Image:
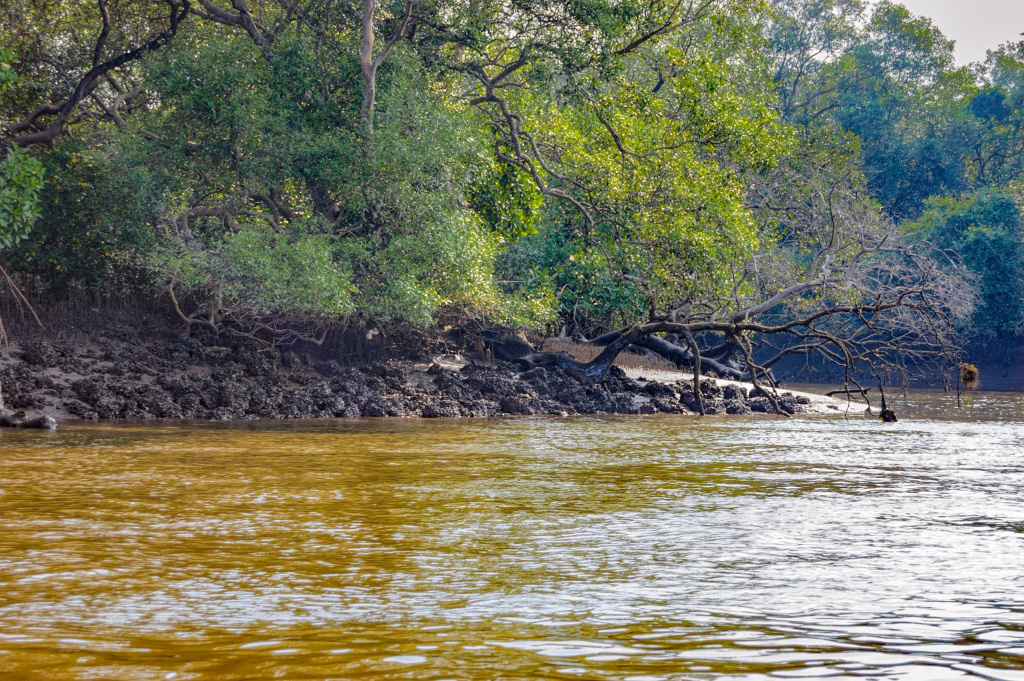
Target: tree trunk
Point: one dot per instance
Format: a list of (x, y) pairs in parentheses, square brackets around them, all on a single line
[(676, 354), (615, 344), (696, 371), (589, 372), (368, 67)]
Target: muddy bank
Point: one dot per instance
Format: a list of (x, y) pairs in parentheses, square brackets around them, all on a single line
[(109, 378)]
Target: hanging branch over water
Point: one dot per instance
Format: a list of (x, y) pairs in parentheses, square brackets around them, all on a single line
[(893, 319), (846, 288)]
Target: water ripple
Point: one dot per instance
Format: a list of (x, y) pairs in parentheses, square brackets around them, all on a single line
[(620, 548)]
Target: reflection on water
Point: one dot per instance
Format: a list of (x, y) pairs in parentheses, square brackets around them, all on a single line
[(620, 548)]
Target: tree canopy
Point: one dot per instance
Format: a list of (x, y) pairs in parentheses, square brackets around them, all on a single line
[(560, 164)]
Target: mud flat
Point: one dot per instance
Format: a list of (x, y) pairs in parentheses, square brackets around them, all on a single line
[(172, 378)]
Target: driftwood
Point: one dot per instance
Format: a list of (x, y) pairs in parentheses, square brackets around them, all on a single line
[(887, 415), (847, 391), (21, 419)]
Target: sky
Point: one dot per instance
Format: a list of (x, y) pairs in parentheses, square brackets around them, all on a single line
[(975, 25)]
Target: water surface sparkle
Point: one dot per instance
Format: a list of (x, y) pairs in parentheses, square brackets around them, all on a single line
[(619, 548)]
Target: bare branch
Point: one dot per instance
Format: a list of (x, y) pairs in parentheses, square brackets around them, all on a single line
[(88, 82)]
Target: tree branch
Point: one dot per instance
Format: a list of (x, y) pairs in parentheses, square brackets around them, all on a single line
[(88, 82)]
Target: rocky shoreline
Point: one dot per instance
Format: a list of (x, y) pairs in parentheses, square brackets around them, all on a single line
[(186, 378)]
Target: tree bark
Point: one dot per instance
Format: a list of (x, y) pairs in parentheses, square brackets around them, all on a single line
[(696, 372), (585, 372), (368, 64), (368, 68)]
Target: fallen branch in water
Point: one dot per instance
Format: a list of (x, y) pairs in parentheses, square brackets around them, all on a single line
[(888, 310)]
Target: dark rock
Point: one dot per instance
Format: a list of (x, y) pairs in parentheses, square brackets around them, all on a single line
[(537, 375), (514, 406), (156, 401), (668, 406), (655, 389), (713, 407), (734, 392), (689, 400), (80, 409), (110, 406), (291, 360), (41, 353), (27, 401), (710, 389), (89, 390), (374, 407), (737, 407), (441, 409), (395, 405), (329, 368), (219, 377)]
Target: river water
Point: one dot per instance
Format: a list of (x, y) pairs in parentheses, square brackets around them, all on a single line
[(634, 548)]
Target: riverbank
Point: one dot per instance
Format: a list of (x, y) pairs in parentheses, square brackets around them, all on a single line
[(101, 376)]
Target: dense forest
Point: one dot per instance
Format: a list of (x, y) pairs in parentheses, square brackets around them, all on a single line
[(739, 180)]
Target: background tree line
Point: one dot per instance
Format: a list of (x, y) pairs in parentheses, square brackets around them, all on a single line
[(941, 146)]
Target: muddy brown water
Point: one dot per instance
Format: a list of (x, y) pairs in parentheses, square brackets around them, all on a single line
[(634, 548)]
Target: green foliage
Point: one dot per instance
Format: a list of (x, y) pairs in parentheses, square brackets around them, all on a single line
[(648, 157), (888, 77), (986, 231), (589, 291), (258, 271), (508, 202), (8, 76), (611, 172), (21, 173), (938, 144), (387, 229), (97, 209), (21, 178)]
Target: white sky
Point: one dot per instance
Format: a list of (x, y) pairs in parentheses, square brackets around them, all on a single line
[(975, 25)]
